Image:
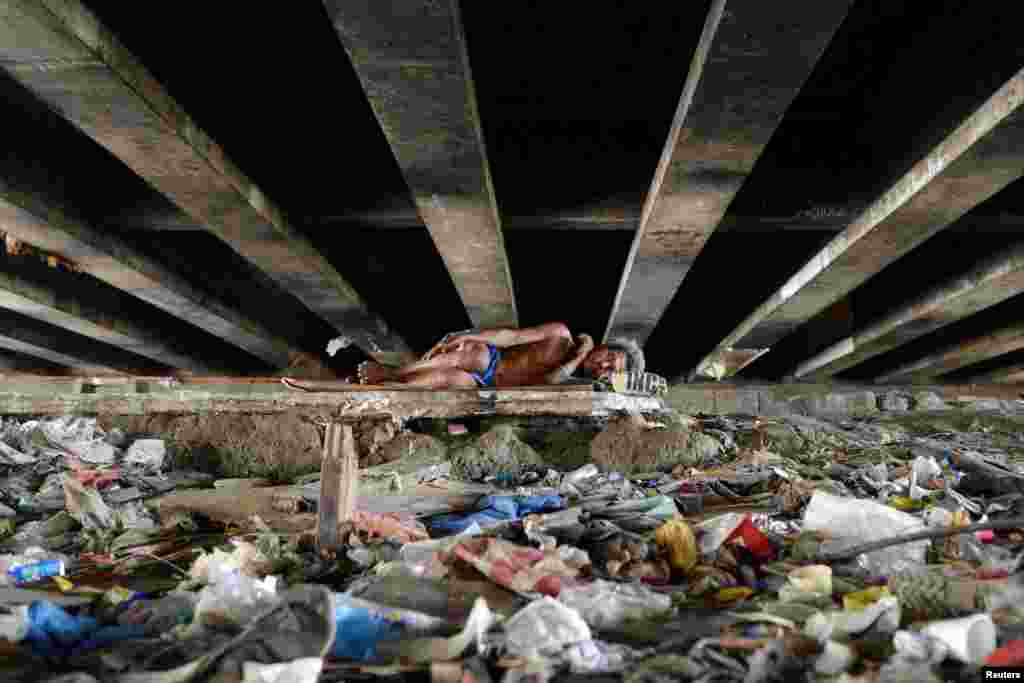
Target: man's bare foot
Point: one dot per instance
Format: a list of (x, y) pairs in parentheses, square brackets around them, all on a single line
[(372, 372)]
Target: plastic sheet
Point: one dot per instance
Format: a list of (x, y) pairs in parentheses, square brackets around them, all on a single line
[(852, 521), (492, 510)]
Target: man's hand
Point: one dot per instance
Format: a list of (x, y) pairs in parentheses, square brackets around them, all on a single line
[(585, 342)]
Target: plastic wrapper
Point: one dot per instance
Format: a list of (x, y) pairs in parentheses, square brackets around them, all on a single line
[(545, 626), (605, 605), (851, 521)]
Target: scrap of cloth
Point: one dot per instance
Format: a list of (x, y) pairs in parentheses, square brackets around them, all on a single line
[(521, 569)]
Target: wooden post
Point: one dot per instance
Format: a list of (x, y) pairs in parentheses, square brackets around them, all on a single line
[(339, 481)]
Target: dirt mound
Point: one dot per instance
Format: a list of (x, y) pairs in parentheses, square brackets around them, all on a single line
[(408, 445), (630, 445), (499, 451), (276, 447)]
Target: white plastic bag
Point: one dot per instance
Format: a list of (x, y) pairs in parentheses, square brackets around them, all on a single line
[(544, 626), (852, 521)]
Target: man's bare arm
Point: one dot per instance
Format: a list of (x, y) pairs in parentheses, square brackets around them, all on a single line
[(506, 337), (562, 373)]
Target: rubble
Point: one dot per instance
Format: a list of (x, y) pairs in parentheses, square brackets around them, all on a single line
[(881, 546)]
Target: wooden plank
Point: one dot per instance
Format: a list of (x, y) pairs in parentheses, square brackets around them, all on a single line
[(751, 52), (412, 61), (335, 487)]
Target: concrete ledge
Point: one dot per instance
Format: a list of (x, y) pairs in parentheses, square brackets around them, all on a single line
[(830, 399)]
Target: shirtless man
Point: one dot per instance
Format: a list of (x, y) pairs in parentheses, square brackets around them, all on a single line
[(545, 354)]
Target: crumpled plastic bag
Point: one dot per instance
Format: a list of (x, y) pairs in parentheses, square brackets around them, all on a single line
[(606, 605), (545, 626)]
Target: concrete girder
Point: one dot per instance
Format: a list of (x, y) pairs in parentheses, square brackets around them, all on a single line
[(67, 310), (414, 67), (38, 339), (993, 280), (750, 52), (62, 53), (37, 221), (955, 356), (1013, 374), (977, 160)]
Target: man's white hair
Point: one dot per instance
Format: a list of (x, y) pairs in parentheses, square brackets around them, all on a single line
[(634, 354)]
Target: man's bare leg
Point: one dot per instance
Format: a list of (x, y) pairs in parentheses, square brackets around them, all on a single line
[(444, 378), (372, 372)]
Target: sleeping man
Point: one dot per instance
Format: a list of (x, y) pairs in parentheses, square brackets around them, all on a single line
[(545, 354)]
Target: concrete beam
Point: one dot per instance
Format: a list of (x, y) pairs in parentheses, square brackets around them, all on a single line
[(978, 159), (61, 52), (13, 362), (35, 220), (70, 311), (31, 337), (993, 280), (1011, 375), (755, 53), (412, 61), (955, 356)]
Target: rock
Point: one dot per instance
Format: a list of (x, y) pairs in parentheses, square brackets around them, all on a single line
[(628, 445), (499, 451), (892, 400), (929, 400)]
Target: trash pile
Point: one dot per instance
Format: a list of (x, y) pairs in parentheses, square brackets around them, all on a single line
[(725, 548)]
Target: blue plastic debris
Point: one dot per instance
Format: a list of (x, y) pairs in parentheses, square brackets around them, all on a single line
[(494, 509)]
